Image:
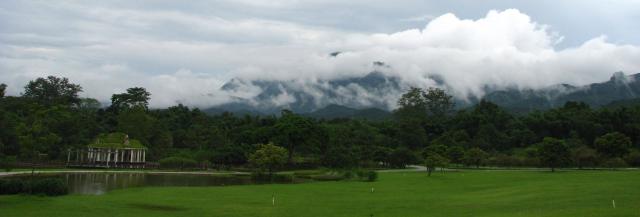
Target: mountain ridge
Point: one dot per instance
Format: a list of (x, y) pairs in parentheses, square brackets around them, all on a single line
[(353, 96)]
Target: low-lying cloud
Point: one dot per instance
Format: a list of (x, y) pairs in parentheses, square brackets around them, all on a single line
[(185, 58)]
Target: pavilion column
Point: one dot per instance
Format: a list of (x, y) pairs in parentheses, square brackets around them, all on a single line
[(108, 156), (115, 159), (130, 155), (144, 155), (68, 156)]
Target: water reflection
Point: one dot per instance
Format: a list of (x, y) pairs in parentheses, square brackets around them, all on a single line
[(100, 183)]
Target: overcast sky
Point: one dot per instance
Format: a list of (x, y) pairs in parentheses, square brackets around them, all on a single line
[(183, 51)]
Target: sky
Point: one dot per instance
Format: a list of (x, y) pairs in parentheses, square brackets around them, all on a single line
[(183, 52)]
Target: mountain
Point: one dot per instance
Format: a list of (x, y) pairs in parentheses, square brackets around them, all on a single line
[(371, 96), (372, 90), (337, 111), (618, 88)]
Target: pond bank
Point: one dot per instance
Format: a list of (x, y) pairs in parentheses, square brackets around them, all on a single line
[(3, 174)]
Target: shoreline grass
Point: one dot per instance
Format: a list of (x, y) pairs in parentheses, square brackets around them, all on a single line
[(462, 193)]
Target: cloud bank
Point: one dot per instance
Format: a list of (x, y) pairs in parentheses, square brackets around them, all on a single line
[(186, 58)]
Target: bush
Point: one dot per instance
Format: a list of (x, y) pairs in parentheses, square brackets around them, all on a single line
[(177, 163), (633, 159), (615, 163), (349, 174), (372, 176), (49, 187), (11, 186), (7, 162)]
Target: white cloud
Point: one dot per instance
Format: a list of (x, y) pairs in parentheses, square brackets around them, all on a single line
[(185, 58)]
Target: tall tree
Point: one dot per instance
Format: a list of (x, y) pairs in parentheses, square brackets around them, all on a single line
[(3, 88), (137, 124), (435, 160), (268, 157), (411, 117), (475, 156), (134, 97), (439, 103), (553, 153), (613, 144), (52, 91), (295, 132)]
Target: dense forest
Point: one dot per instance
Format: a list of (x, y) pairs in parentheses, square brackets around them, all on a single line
[(49, 118)]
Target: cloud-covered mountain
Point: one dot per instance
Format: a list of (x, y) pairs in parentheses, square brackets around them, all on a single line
[(185, 58), (618, 88), (374, 90), (372, 96)]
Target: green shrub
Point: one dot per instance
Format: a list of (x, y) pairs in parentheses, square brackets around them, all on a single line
[(633, 159), (348, 174), (372, 176), (615, 163), (177, 163), (11, 186), (7, 163), (49, 187)]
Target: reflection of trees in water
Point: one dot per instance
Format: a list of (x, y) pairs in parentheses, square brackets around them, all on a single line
[(100, 183)]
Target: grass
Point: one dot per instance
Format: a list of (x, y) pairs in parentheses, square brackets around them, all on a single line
[(401, 194)]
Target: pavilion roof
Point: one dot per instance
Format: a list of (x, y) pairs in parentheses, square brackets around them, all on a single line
[(115, 140)]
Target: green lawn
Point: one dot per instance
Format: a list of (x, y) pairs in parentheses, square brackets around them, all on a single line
[(401, 194)]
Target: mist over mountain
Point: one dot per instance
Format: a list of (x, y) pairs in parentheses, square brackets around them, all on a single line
[(374, 90), (375, 94), (619, 87)]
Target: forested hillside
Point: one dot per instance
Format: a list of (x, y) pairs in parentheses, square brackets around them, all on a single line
[(49, 118)]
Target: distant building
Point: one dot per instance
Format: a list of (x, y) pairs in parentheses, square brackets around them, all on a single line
[(114, 150)]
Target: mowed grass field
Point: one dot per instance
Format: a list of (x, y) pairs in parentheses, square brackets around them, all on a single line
[(398, 194)]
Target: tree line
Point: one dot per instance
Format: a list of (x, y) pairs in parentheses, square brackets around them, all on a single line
[(49, 118)]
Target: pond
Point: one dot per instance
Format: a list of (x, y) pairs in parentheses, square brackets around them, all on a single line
[(100, 183)]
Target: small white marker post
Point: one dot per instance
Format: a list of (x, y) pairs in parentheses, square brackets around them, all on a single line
[(614, 203), (372, 189), (273, 199)]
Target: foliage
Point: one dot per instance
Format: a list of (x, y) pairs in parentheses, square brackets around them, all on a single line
[(46, 186), (178, 163), (613, 144), (455, 154), (268, 157), (295, 132), (553, 153), (12, 186), (52, 90), (475, 157), (401, 157), (3, 88), (584, 156), (7, 162), (615, 162), (50, 118), (433, 161), (135, 97), (633, 159)]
